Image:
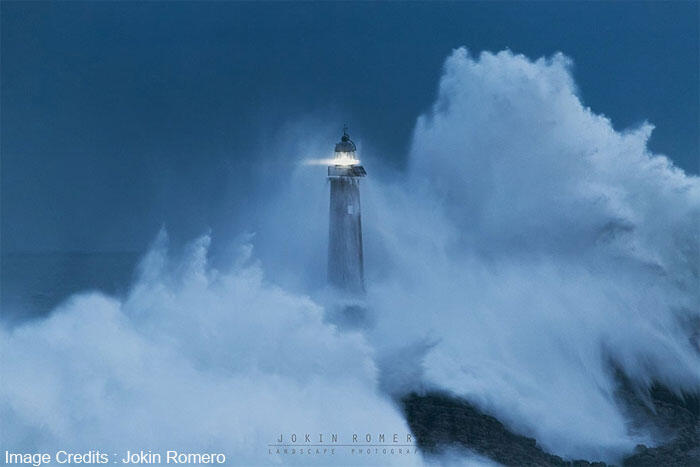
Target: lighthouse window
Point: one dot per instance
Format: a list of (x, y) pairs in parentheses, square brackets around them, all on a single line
[(351, 209)]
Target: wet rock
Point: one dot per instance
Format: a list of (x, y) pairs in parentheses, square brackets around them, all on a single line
[(675, 419), (441, 421)]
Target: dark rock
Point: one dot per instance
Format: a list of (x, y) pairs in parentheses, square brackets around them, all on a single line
[(440, 421), (675, 418)]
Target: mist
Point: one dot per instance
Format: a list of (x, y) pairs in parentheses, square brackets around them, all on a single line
[(555, 246), (193, 359), (527, 250)]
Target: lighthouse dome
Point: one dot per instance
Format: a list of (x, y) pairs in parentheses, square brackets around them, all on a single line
[(345, 145)]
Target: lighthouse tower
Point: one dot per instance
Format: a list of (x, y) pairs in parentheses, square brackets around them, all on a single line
[(345, 268)]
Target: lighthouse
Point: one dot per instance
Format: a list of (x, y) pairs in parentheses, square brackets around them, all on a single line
[(345, 264)]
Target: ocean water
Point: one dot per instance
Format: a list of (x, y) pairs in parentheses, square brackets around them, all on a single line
[(32, 284)]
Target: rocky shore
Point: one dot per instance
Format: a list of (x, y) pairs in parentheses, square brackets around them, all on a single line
[(441, 421)]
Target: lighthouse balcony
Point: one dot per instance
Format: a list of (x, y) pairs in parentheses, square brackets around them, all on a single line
[(346, 171)]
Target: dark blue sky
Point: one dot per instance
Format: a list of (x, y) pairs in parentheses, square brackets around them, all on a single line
[(120, 117)]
